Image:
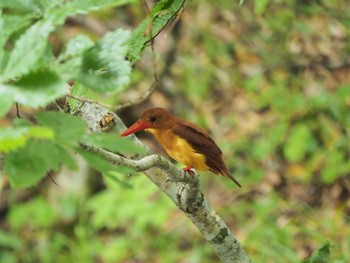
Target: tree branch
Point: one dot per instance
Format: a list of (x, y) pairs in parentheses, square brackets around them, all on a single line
[(182, 188)]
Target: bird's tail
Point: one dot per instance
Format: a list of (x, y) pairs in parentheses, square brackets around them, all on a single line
[(227, 173)]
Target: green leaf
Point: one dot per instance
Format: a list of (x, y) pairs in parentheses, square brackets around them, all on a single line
[(28, 50), (38, 88), (3, 39), (260, 6), (100, 164), (299, 143), (36, 7), (10, 240), (70, 8), (68, 129), (39, 211), (161, 13), (113, 142), (104, 66), (28, 165), (336, 165), (13, 23), (321, 255), (13, 138), (69, 62), (6, 99), (78, 90), (241, 2)]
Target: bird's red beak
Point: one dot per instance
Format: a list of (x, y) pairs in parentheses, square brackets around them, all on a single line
[(137, 126)]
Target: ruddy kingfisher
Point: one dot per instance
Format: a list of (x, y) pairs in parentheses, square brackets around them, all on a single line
[(185, 142)]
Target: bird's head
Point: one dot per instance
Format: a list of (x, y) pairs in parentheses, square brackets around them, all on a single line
[(155, 118)]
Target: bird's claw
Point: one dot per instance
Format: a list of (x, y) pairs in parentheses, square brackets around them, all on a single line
[(189, 170), (168, 180)]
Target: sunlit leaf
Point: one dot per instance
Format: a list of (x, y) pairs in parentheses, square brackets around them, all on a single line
[(28, 50), (6, 99), (13, 138), (104, 66), (38, 89), (28, 165), (68, 129), (78, 90), (161, 13), (37, 7), (13, 23), (73, 7), (69, 62)]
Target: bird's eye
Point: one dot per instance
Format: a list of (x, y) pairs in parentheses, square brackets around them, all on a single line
[(152, 119)]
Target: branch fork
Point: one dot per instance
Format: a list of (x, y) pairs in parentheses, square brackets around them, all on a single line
[(189, 188)]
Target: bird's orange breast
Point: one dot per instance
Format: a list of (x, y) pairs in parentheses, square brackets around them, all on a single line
[(179, 149)]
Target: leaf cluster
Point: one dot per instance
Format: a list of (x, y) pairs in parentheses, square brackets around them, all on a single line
[(33, 76)]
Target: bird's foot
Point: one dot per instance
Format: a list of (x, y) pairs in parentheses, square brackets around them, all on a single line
[(189, 170), (168, 180)]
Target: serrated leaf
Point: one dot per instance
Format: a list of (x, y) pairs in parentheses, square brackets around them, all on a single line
[(13, 23), (28, 165), (104, 66), (69, 62), (78, 90), (73, 7), (75, 47), (100, 164), (113, 142), (6, 99), (38, 88), (28, 50), (37, 7), (68, 129), (13, 138), (161, 13)]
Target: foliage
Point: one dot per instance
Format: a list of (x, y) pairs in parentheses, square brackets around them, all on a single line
[(31, 75), (321, 255), (269, 79)]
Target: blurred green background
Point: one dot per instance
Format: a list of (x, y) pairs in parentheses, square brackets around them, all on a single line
[(270, 81)]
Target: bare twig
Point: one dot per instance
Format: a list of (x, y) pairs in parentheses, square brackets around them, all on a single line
[(128, 103), (149, 91), (165, 25), (17, 111), (49, 175), (138, 100), (81, 99)]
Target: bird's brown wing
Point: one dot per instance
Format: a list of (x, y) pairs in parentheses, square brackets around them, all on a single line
[(202, 143)]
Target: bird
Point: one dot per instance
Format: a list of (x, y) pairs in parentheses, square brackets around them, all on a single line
[(184, 141)]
